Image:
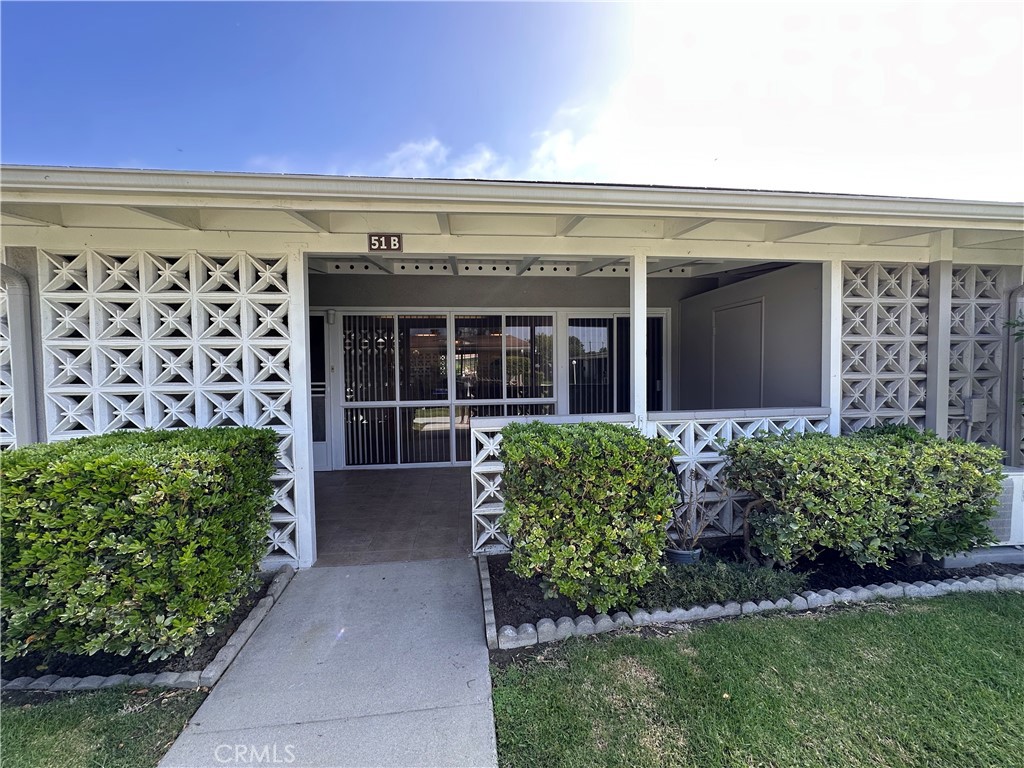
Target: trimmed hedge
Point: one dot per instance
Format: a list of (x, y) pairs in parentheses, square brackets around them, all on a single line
[(872, 496), (131, 541), (585, 506)]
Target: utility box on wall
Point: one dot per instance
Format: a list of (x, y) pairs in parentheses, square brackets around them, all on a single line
[(1007, 525)]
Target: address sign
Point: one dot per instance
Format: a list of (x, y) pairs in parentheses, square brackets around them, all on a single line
[(384, 242)]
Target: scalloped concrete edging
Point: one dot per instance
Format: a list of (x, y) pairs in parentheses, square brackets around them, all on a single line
[(204, 678), (548, 630)]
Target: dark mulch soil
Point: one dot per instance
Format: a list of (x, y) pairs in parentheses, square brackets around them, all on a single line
[(520, 601), (839, 573), (105, 664)]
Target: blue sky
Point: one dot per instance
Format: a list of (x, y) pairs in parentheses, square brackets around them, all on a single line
[(904, 98)]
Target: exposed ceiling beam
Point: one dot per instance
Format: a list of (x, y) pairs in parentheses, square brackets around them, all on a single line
[(879, 235), (566, 224), (47, 215), (444, 224), (377, 261), (309, 219), (682, 227), (662, 266), (453, 262), (596, 264), (971, 239), (179, 218), (526, 263), (775, 232)]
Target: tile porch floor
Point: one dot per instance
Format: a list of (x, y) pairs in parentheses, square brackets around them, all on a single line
[(368, 516)]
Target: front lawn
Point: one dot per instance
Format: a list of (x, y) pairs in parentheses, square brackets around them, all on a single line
[(118, 728), (926, 683)]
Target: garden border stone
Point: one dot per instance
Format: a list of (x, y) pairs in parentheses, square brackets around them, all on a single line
[(548, 630), (205, 678)]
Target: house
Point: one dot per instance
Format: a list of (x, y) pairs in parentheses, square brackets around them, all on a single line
[(396, 324)]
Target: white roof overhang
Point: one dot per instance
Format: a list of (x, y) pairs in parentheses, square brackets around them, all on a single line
[(472, 226)]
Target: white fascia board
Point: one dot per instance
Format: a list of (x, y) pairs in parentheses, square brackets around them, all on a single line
[(131, 185)]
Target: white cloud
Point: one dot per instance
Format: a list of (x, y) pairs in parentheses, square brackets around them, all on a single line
[(896, 99), (915, 99)]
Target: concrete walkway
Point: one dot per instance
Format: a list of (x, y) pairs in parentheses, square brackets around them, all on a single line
[(372, 665)]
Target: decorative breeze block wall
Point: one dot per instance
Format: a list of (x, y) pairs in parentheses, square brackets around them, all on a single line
[(166, 340), (885, 342), (977, 354)]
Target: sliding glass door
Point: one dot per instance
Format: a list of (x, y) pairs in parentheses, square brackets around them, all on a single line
[(413, 383), (599, 364)]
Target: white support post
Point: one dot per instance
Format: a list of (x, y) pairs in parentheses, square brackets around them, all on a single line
[(638, 337), (302, 425), (23, 387), (940, 307), (832, 341)]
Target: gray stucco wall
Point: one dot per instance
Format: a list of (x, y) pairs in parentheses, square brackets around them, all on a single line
[(792, 338), (464, 291)]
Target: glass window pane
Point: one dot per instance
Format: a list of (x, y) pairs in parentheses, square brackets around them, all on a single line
[(590, 356), (529, 356), (370, 436), (464, 423), (478, 357), (423, 357), (368, 351), (425, 434), (531, 409)]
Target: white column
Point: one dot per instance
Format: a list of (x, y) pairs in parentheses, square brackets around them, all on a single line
[(832, 341), (638, 337), (940, 307), (302, 424), (23, 387)]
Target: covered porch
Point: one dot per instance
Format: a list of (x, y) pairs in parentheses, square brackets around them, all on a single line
[(369, 516)]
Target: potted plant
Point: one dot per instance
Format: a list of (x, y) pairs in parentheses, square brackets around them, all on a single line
[(689, 520)]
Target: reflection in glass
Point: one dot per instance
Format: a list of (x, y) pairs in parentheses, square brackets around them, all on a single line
[(463, 424), (370, 436), (478, 357), (423, 357), (529, 356), (425, 435), (368, 355)]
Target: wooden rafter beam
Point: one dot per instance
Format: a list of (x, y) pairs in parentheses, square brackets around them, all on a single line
[(879, 235), (526, 263), (309, 220), (596, 264), (972, 239), (444, 224), (46, 215), (179, 218), (566, 224), (777, 232), (453, 262), (676, 229), (377, 261), (662, 266)]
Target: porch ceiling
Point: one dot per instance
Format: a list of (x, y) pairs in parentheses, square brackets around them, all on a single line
[(492, 227)]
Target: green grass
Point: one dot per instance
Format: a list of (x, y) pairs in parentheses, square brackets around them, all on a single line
[(113, 729), (937, 683)]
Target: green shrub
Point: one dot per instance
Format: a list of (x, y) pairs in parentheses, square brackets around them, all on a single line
[(585, 508), (717, 581), (871, 497), (132, 541)]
